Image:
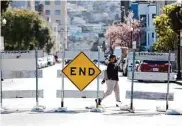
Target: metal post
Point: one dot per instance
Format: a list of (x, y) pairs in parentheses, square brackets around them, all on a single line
[(132, 83), (98, 77), (36, 74), (1, 80), (62, 90), (168, 79), (178, 59)]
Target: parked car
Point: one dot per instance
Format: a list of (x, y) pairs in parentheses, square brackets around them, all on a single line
[(40, 65), (50, 60), (125, 66), (44, 61), (153, 66)]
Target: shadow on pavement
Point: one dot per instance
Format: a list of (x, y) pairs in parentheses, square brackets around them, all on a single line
[(141, 110), (15, 111), (178, 88), (55, 112), (143, 114)]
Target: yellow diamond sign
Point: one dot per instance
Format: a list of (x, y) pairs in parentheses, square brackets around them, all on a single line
[(81, 71)]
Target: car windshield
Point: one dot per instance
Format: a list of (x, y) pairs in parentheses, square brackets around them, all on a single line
[(155, 62)]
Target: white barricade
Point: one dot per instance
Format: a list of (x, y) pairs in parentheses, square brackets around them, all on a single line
[(21, 54), (151, 56), (91, 54), (22, 94), (149, 95), (21, 74), (151, 76), (78, 94)]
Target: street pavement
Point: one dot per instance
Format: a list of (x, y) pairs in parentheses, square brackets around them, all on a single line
[(145, 110)]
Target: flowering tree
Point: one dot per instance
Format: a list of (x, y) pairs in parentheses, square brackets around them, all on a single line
[(122, 34)]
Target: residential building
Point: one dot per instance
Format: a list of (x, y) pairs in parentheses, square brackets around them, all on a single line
[(46, 11), (52, 10), (146, 12), (23, 4)]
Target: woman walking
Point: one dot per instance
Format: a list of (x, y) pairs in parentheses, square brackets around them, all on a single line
[(112, 81)]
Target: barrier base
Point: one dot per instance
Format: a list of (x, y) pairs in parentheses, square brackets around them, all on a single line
[(161, 109), (38, 108), (61, 109), (98, 110), (126, 108), (3, 110)]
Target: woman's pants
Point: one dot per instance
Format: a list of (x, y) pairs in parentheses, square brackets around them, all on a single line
[(112, 85)]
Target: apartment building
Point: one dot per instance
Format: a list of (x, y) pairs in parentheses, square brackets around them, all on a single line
[(146, 12), (23, 4), (52, 10)]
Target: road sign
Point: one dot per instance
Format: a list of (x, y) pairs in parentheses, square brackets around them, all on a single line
[(81, 71)]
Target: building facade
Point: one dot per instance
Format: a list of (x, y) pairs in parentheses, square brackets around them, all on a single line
[(23, 4), (50, 10), (145, 12)]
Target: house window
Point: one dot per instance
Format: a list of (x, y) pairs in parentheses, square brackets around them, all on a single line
[(144, 39), (47, 2), (37, 2), (48, 12), (143, 20), (153, 15), (57, 2), (148, 20), (148, 39), (57, 12), (58, 21), (152, 35)]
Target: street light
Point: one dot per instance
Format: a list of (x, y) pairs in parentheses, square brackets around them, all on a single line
[(4, 21), (179, 3), (178, 58)]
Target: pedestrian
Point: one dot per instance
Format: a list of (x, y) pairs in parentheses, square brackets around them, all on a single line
[(112, 81)]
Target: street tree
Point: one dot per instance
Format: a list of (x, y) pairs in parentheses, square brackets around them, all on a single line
[(166, 29), (25, 30), (4, 5), (123, 34)]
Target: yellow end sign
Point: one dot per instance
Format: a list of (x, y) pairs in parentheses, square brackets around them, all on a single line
[(81, 71)]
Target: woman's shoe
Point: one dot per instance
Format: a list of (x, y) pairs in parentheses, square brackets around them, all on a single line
[(118, 103), (99, 101)]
